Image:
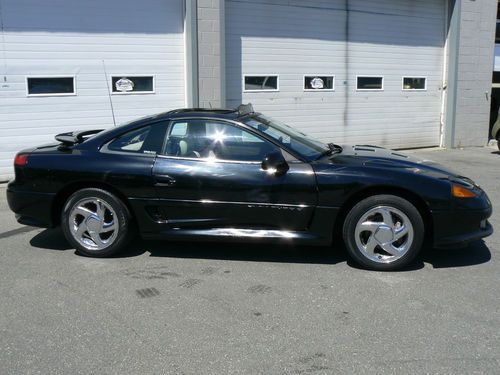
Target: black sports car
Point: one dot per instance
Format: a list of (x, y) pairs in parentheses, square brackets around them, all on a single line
[(235, 174)]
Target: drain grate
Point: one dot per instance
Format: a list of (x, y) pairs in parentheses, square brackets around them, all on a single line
[(147, 292), (259, 289), (208, 271), (189, 283)]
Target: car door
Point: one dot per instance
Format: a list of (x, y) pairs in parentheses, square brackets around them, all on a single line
[(209, 175)]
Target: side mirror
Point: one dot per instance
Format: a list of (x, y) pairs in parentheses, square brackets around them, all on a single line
[(275, 163)]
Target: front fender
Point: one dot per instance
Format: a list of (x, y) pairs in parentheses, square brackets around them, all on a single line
[(337, 185)]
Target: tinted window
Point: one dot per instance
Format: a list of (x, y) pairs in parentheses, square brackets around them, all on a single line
[(131, 141), (51, 86), (370, 83), (410, 83), (261, 83), (286, 135), (209, 139), (179, 129), (145, 140)]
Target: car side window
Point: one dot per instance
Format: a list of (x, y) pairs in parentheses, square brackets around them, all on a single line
[(200, 138), (145, 140)]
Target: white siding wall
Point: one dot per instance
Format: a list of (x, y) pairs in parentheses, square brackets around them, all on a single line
[(73, 37), (391, 38)]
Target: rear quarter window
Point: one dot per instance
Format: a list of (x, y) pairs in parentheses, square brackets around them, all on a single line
[(145, 140)]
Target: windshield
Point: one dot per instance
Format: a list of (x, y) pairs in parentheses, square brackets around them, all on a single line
[(286, 135)]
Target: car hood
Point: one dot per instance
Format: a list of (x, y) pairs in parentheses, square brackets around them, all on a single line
[(379, 157)]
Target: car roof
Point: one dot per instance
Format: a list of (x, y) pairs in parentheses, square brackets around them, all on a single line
[(227, 114), (230, 114)]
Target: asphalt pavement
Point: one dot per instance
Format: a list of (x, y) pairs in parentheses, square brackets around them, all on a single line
[(196, 308)]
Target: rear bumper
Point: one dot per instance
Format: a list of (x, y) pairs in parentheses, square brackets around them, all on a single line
[(456, 228), (31, 208)]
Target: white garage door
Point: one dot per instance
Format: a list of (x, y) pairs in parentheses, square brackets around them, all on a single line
[(46, 44), (357, 71)]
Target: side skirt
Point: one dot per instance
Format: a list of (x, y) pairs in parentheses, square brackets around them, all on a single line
[(319, 234)]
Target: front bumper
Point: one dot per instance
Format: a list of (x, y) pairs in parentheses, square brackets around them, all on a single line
[(31, 208), (456, 228)]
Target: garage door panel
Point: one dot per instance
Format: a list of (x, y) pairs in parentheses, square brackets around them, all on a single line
[(414, 9), (282, 35), (270, 21), (413, 38), (383, 29), (73, 38), (99, 16), (386, 38)]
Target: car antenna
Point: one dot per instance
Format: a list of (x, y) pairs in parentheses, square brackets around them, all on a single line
[(109, 93)]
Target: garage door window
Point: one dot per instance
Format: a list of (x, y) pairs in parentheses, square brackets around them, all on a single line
[(50, 86), (369, 83), (414, 83), (127, 84), (319, 83), (261, 82)]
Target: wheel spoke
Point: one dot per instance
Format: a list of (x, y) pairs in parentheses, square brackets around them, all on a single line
[(390, 249), (401, 232), (370, 245), (369, 226), (386, 215), (100, 210), (108, 227), (97, 239), (82, 228), (85, 212)]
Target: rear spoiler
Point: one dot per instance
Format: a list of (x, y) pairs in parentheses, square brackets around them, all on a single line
[(245, 109), (73, 138)]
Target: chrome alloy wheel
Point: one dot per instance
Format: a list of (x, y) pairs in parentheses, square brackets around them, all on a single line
[(384, 234), (93, 223)]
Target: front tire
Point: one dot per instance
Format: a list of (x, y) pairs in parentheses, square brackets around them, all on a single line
[(96, 223), (383, 232)]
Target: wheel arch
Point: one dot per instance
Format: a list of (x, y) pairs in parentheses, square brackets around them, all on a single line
[(63, 195), (370, 191)]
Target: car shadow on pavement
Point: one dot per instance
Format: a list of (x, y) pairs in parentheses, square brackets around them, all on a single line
[(50, 239), (248, 252), (474, 254)]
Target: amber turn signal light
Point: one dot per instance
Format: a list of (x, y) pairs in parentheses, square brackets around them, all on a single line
[(462, 192)]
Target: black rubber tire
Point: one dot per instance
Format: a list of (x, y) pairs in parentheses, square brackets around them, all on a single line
[(377, 200), (498, 141), (124, 217)]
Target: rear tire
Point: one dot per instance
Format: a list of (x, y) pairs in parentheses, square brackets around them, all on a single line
[(96, 223), (383, 232)]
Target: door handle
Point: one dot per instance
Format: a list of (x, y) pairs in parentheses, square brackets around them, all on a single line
[(164, 180)]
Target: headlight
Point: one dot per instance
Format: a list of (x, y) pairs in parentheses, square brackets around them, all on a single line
[(459, 191)]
